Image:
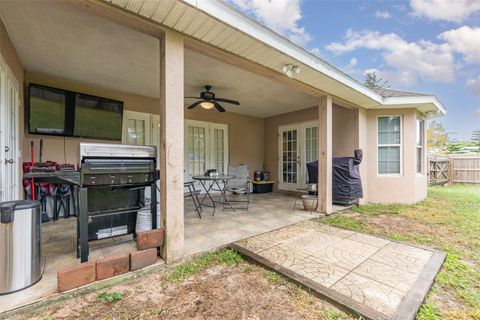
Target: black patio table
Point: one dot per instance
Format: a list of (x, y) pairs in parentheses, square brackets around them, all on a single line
[(212, 183)]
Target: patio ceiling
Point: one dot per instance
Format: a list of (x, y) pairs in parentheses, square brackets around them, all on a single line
[(60, 40)]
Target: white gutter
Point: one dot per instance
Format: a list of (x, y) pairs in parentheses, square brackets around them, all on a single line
[(225, 13)]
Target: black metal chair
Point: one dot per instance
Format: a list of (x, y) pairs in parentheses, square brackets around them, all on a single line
[(191, 192)]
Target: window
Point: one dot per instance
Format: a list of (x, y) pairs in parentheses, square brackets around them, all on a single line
[(420, 144), (389, 144)]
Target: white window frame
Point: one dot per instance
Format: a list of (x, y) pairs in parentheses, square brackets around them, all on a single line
[(400, 145), (421, 147)]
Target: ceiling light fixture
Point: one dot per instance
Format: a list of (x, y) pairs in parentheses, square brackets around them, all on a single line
[(290, 70), (207, 105)]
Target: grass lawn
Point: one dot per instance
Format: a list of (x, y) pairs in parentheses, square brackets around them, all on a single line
[(449, 220)]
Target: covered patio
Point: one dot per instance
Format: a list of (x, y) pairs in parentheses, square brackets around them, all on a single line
[(152, 74)]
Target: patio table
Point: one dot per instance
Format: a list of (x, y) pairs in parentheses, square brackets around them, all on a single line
[(213, 183)]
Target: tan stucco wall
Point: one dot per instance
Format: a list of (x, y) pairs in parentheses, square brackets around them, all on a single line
[(246, 135), (407, 187), (344, 131)]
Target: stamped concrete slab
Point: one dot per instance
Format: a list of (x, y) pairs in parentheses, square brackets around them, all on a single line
[(374, 277)]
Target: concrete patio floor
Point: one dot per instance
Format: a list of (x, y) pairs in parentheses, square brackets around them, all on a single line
[(268, 211), (371, 276)]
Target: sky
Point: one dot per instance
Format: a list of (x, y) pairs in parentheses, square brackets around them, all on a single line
[(430, 46)]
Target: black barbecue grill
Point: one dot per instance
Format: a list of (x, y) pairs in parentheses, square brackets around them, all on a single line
[(113, 179)]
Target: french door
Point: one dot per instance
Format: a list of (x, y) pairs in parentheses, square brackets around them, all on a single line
[(141, 129), (297, 145), (206, 147), (9, 147)]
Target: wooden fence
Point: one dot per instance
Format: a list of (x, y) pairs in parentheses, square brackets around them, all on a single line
[(461, 168)]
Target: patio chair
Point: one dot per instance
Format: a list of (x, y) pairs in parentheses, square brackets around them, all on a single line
[(240, 186), (191, 192)]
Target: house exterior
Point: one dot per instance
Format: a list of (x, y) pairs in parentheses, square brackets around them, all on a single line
[(152, 54)]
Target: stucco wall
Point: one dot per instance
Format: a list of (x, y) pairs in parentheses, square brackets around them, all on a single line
[(407, 187), (344, 131)]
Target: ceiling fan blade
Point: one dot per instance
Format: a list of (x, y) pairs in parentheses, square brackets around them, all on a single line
[(218, 107), (227, 101), (195, 104), (193, 98)]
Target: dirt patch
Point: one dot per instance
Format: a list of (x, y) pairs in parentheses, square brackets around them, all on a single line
[(242, 291)]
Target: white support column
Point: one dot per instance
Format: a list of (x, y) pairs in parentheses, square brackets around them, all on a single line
[(171, 153), (325, 155)]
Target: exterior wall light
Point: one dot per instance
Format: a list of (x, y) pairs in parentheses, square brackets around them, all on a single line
[(290, 70)]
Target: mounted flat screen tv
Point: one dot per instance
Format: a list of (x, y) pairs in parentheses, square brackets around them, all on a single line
[(55, 111)]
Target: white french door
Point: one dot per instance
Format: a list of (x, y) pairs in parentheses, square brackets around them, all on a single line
[(206, 147), (141, 129), (9, 147), (297, 145)]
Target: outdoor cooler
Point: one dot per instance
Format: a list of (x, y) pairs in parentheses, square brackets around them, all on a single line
[(20, 256)]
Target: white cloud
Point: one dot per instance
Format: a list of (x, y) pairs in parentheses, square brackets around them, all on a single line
[(453, 11), (424, 59), (316, 51), (382, 14), (473, 85), (464, 40), (281, 16), (476, 113)]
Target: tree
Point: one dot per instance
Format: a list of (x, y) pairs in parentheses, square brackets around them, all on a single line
[(437, 136), (371, 81), (454, 146), (476, 137)]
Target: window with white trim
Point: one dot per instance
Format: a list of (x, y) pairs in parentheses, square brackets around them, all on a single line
[(420, 144), (389, 144)]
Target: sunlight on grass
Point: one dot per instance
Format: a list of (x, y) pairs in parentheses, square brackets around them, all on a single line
[(186, 270)]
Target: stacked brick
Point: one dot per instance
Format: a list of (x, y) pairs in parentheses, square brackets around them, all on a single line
[(148, 243)]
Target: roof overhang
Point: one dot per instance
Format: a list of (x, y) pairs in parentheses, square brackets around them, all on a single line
[(428, 105), (216, 23)]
